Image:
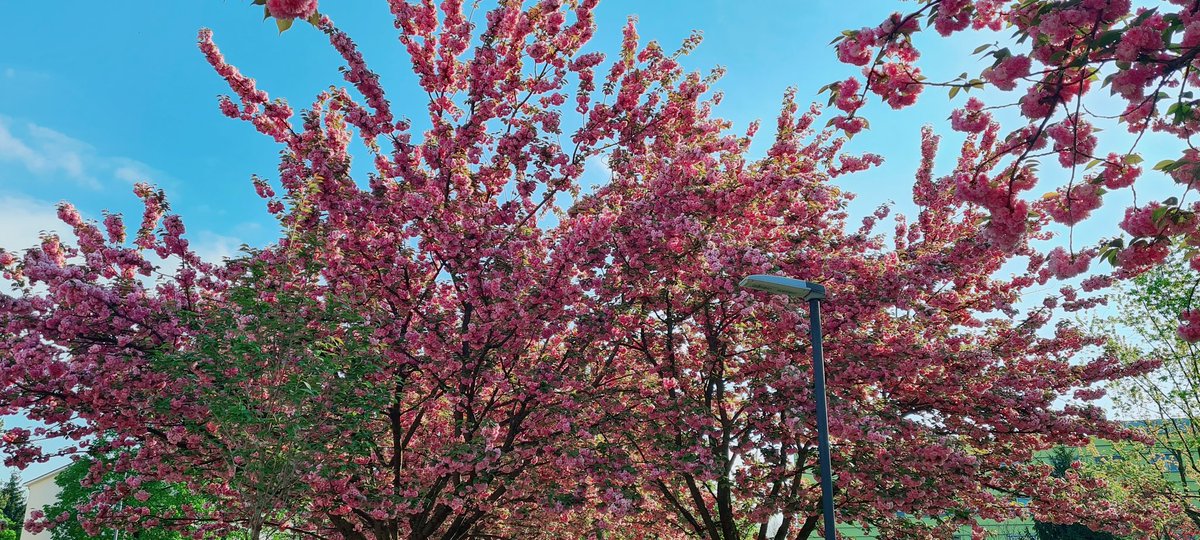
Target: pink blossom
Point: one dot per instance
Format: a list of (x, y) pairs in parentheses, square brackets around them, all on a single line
[(1073, 140), (1037, 103), (1141, 256), (292, 9), (1117, 173), (1070, 206), (850, 125), (1139, 221), (971, 118), (1066, 265), (952, 16), (1144, 38), (847, 95), (1004, 75), (899, 84), (1189, 327), (856, 49)]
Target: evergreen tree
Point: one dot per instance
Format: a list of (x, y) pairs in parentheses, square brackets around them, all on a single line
[(12, 508)]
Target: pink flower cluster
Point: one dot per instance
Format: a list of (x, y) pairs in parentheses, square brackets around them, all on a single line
[(970, 118), (1139, 222), (847, 95), (1072, 205), (897, 83), (1189, 327), (1063, 265), (292, 9), (1004, 74), (1118, 173), (849, 124), (1073, 140), (857, 48), (1141, 39), (953, 15), (1187, 171), (1141, 256)]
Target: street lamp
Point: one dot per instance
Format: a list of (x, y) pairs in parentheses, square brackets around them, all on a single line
[(814, 294)]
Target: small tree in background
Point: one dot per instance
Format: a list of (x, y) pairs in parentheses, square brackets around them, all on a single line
[(1165, 402), (12, 508), (13, 495)]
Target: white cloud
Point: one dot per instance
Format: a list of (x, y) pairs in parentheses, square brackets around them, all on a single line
[(45, 154), (213, 247), (23, 220), (50, 154), (25, 76)]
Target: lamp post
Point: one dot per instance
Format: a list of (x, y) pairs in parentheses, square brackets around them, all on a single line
[(814, 293)]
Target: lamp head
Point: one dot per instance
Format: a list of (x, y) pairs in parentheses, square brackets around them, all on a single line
[(784, 285)]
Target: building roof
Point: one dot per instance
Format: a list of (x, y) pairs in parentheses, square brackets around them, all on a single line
[(44, 476)]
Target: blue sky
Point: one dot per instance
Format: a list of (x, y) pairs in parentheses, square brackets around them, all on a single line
[(116, 92)]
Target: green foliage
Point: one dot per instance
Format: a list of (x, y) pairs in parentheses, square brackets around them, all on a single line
[(1165, 401), (12, 508), (14, 500), (165, 500), (9, 530)]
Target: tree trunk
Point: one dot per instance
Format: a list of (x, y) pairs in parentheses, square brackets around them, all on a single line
[(810, 525)]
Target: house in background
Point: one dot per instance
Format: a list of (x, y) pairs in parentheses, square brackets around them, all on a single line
[(42, 492)]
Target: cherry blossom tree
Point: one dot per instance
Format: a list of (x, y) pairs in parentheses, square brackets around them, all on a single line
[(1062, 53), (468, 340)]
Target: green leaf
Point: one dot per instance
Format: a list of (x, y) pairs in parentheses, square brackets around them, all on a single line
[(1175, 165), (1133, 159), (1162, 165), (1108, 38), (283, 24), (954, 91), (981, 48)]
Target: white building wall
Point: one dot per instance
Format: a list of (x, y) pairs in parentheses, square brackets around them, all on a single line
[(42, 491)]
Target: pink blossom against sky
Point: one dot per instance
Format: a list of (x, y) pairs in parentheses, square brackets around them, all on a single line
[(118, 93)]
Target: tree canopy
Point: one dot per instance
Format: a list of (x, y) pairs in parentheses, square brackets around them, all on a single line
[(1062, 55), (460, 338)]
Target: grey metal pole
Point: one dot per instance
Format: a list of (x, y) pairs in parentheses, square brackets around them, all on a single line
[(814, 317)]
